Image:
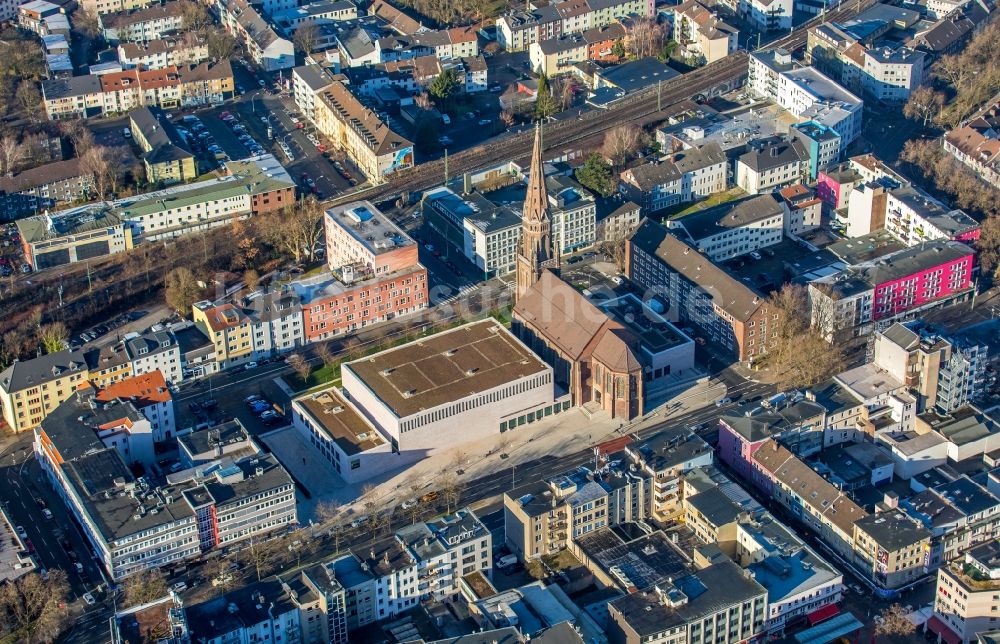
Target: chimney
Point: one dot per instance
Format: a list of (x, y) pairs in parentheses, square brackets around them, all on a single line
[(466, 183), (890, 499)]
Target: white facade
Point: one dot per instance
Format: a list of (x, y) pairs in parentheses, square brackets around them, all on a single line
[(166, 360), (767, 16), (765, 180), (492, 249)]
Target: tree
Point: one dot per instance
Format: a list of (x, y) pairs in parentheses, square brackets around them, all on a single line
[(618, 49), (181, 289), (33, 609), (444, 85), (423, 101), (545, 104), (218, 570), (220, 43), (451, 490), (797, 352), (646, 38), (29, 98), (324, 353), (95, 163), (988, 246), (252, 279), (924, 105), (567, 92), (892, 622), (507, 117), (194, 15), (296, 229), (12, 152), (262, 555), (595, 174), (327, 511), (144, 587), (621, 142), (298, 365), (53, 337), (306, 37), (85, 21)]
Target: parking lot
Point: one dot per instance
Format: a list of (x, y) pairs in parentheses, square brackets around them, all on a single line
[(11, 257)]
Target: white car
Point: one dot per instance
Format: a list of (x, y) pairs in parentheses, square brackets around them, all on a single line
[(87, 597), (47, 513), (357, 523), (250, 365), (755, 255), (723, 401), (21, 532), (179, 587), (617, 280), (409, 503)]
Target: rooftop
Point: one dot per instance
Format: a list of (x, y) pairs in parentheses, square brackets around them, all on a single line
[(893, 530), (446, 367), (655, 333), (669, 448), (369, 227), (857, 250), (640, 563), (727, 216), (342, 423), (637, 74)]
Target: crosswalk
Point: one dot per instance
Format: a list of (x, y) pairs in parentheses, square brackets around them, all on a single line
[(462, 291)]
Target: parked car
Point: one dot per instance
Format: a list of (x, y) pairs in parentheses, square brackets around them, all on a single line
[(251, 398), (755, 255), (250, 365), (409, 503), (47, 513), (359, 521), (723, 401), (179, 587), (79, 567), (87, 597)]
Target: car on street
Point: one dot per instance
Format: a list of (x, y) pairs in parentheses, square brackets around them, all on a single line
[(755, 255), (79, 567), (87, 597), (251, 398), (250, 365), (179, 587), (723, 401), (485, 121), (409, 503), (359, 521), (617, 280), (21, 532), (47, 513)]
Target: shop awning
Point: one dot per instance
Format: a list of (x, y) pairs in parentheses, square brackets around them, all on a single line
[(830, 630), (822, 614), (939, 627)]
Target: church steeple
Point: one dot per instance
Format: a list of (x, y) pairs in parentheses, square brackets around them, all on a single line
[(535, 251)]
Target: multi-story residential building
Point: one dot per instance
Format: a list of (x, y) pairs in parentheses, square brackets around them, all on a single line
[(733, 229), (42, 187), (150, 396), (966, 598), (276, 316), (702, 34), (142, 25), (369, 141), (206, 84), (572, 212), (307, 82), (821, 143), (976, 143), (162, 52), (229, 329), (484, 397), (133, 526), (420, 562), (41, 17), (680, 177), (359, 236), (321, 600), (834, 185), (396, 19), (766, 15), (166, 156), (893, 548), (557, 55), (717, 603), (112, 6), (154, 350), (883, 73), (31, 389), (913, 217), (771, 164), (896, 286), (665, 457), (805, 93), (809, 497), (803, 209), (517, 30), (454, 42), (728, 312), (319, 13), (244, 20), (545, 517), (943, 372), (333, 306)]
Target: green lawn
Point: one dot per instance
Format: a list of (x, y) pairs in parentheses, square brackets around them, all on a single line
[(714, 200)]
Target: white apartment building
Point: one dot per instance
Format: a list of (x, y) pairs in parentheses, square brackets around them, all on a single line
[(161, 53), (806, 93), (276, 321), (573, 214), (702, 33), (307, 81), (773, 165), (155, 350), (142, 25), (150, 395), (687, 175), (767, 15), (733, 229), (461, 395), (967, 598), (420, 562)]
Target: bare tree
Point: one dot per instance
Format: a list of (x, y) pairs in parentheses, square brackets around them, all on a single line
[(423, 101), (645, 38), (12, 153), (796, 351), (144, 587), (299, 365), (181, 289), (221, 44), (194, 15), (893, 623), (85, 21), (924, 105), (621, 142), (306, 37), (451, 490), (507, 117), (295, 230), (324, 353), (262, 554), (252, 279), (33, 608), (327, 511), (95, 162), (219, 570)]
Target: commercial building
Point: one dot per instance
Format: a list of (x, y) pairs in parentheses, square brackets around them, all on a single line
[(702, 34), (262, 610), (733, 229), (166, 157), (771, 164), (892, 547), (798, 425), (133, 525), (666, 457), (806, 93), (944, 373), (469, 383), (680, 177), (360, 238), (891, 288), (369, 141), (726, 311), (821, 143), (965, 600)]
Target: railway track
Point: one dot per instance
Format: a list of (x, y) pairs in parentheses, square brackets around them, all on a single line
[(657, 100)]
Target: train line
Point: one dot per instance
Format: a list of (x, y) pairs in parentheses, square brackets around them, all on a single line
[(653, 101)]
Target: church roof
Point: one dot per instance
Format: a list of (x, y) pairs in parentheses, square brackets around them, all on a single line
[(615, 353), (536, 200)]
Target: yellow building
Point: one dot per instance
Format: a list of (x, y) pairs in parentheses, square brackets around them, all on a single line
[(229, 330), (368, 140), (31, 389), (166, 157), (109, 364), (207, 83), (893, 547)]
